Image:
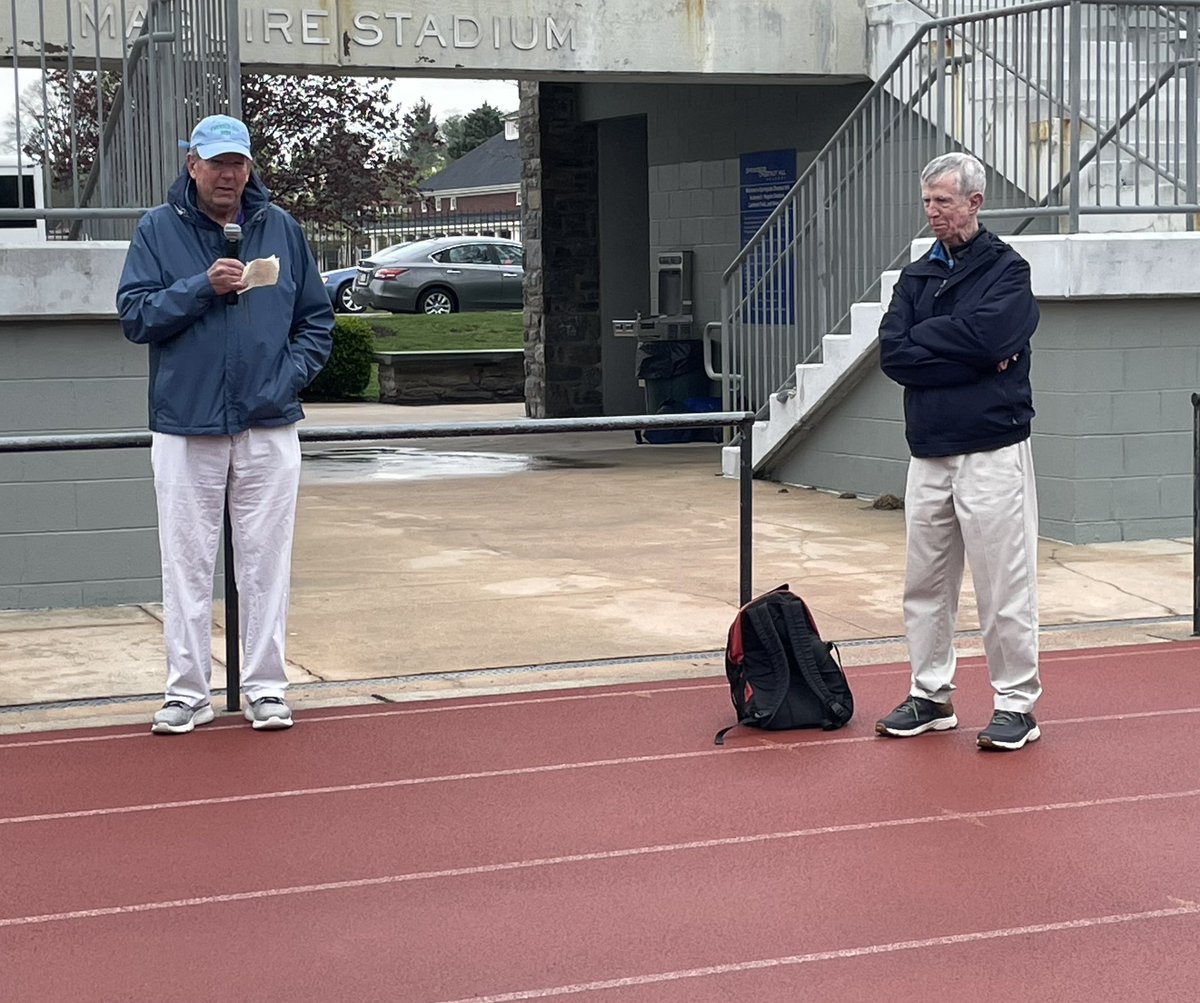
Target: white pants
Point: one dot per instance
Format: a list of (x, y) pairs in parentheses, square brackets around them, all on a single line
[(983, 506), (262, 469)]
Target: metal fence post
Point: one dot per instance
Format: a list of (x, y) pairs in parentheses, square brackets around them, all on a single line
[(746, 510), (1195, 515), (233, 654), (1074, 71), (233, 55)]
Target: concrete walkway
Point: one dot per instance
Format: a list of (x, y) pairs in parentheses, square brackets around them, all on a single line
[(438, 567)]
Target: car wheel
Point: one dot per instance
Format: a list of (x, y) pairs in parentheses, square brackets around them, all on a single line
[(345, 301), (436, 301)]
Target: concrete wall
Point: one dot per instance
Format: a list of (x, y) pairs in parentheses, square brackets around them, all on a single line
[(76, 528), (1116, 359), (697, 134), (669, 166), (481, 38)]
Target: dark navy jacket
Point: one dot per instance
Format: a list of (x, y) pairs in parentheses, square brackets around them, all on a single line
[(218, 369), (941, 339)]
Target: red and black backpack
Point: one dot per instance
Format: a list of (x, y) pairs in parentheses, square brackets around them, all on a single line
[(781, 674)]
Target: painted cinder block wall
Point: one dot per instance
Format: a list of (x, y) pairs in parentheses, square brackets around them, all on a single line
[(77, 528), (1116, 359)]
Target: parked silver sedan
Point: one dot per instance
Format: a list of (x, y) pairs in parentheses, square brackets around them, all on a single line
[(444, 275)]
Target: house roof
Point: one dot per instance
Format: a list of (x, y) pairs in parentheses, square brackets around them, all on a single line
[(494, 163)]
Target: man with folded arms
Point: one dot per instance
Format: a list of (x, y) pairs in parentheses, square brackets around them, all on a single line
[(956, 337)]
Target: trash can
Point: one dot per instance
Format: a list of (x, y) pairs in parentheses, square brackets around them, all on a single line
[(672, 372)]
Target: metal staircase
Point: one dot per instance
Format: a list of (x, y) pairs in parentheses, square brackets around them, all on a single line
[(1085, 114)]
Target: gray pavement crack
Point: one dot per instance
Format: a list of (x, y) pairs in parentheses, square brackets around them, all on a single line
[(1054, 559)]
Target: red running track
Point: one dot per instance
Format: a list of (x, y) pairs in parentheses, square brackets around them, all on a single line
[(594, 844)]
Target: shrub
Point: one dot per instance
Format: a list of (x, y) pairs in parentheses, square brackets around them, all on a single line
[(348, 370)]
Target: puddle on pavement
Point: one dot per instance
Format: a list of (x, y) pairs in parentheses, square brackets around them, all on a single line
[(400, 463)]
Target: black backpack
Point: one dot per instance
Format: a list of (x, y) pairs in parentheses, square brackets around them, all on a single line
[(781, 674)]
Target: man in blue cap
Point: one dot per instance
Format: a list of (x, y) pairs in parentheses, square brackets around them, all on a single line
[(227, 364)]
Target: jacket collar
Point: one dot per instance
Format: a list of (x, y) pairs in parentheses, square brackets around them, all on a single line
[(979, 250), (940, 252)]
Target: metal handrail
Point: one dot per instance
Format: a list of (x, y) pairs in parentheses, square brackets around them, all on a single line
[(1034, 85), (799, 275), (742, 421)]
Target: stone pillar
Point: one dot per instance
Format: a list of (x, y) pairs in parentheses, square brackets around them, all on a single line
[(560, 214)]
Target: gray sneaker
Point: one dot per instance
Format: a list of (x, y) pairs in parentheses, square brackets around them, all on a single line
[(178, 718), (269, 714), (915, 716)]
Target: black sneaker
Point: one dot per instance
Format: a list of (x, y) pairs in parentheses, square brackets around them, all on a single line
[(917, 715), (1009, 730)]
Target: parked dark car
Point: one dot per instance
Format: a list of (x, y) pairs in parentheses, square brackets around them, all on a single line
[(444, 275), (340, 281)]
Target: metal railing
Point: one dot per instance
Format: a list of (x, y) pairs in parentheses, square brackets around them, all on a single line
[(1196, 515), (104, 99), (1081, 110), (343, 246), (743, 422)]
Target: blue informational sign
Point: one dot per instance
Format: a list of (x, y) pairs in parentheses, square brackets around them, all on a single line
[(766, 177)]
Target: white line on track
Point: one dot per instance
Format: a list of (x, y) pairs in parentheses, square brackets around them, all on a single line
[(840, 955), (520, 771), (599, 855), (399, 712), (1091, 655)]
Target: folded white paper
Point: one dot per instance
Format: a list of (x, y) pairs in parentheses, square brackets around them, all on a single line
[(261, 272)]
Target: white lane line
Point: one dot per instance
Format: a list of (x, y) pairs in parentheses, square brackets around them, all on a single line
[(387, 784), (838, 955), (521, 771), (1090, 656), (399, 712), (576, 858)]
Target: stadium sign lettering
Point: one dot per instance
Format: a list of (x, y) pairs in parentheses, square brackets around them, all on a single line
[(368, 28)]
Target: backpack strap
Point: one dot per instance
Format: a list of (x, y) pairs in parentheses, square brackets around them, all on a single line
[(764, 626), (795, 622), (719, 739)]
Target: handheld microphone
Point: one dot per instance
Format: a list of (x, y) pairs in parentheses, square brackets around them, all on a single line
[(233, 238)]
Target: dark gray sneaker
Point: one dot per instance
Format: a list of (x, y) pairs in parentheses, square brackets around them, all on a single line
[(915, 716), (1009, 730), (268, 714), (178, 717)]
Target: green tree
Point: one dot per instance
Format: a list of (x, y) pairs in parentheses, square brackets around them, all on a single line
[(325, 146), (421, 140), (464, 133)]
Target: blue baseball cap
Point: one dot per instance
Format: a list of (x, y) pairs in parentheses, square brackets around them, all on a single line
[(219, 134)]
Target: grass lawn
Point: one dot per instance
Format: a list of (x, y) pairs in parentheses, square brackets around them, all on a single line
[(418, 333)]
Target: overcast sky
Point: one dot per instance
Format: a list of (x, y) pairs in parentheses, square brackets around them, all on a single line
[(455, 97)]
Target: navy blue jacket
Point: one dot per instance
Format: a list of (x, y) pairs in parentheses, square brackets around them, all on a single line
[(218, 369), (942, 337)]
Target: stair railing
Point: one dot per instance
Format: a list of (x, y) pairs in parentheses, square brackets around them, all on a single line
[(855, 209)]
